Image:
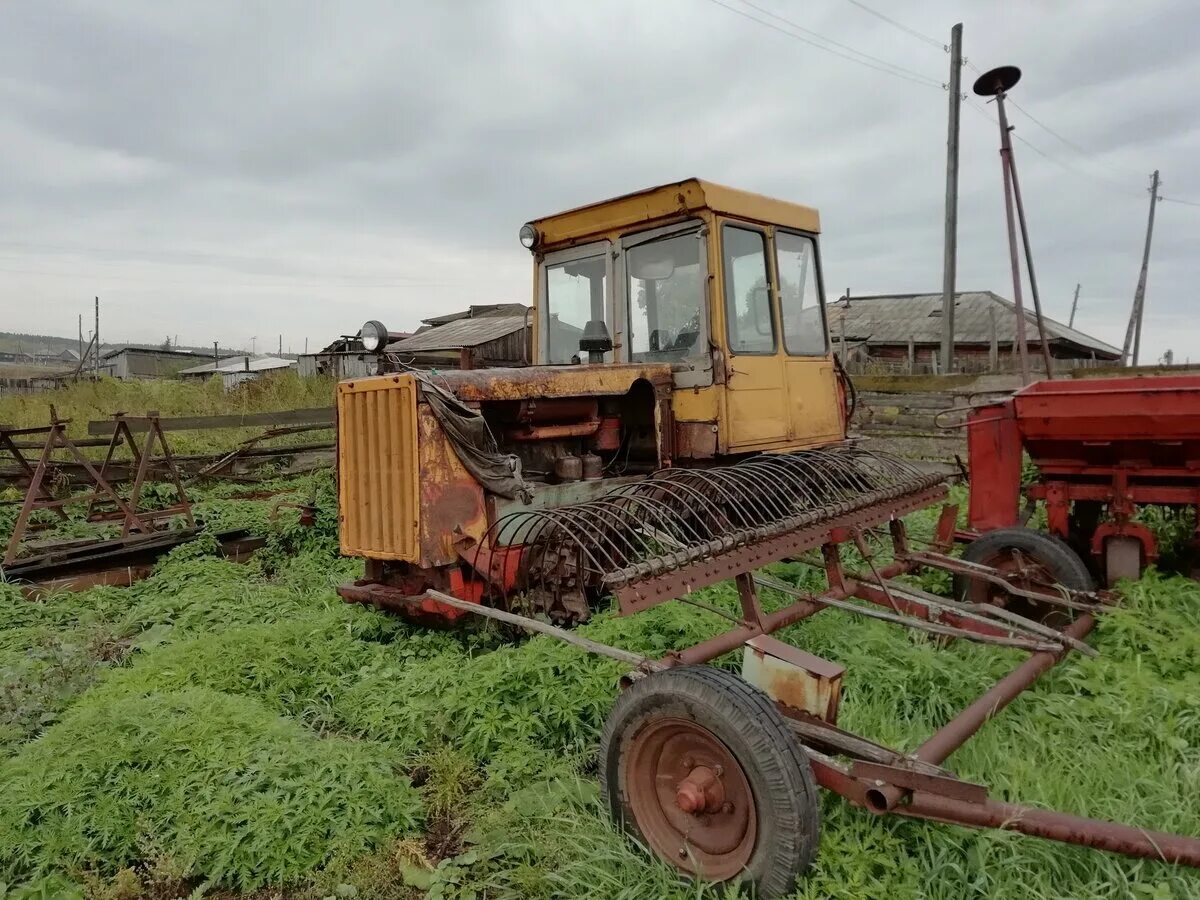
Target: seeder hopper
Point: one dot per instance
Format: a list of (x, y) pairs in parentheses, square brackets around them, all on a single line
[(684, 425)]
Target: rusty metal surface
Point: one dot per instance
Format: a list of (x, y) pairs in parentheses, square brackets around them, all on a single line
[(690, 798), (1056, 826), (103, 501), (535, 382), (793, 678)]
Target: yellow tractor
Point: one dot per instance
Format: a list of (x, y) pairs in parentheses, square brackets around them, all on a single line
[(685, 423)]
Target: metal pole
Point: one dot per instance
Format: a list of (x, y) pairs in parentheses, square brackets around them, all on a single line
[(1074, 306), (80, 340), (1033, 288), (97, 336), (1133, 334), (1006, 165), (950, 251)]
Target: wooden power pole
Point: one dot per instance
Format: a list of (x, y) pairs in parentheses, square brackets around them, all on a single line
[(96, 337), (1074, 306), (1133, 333), (950, 250)]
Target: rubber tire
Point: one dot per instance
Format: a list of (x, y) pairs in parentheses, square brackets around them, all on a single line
[(752, 728), (1052, 552)]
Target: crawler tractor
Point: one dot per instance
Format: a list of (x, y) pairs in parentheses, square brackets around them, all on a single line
[(685, 423)]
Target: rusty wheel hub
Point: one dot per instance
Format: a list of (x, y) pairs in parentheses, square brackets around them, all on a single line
[(691, 799), (1024, 571)]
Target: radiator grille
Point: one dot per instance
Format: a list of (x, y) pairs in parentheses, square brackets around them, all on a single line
[(378, 484)]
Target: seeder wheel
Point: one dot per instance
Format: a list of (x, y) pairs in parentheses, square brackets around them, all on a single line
[(1031, 559), (703, 769)]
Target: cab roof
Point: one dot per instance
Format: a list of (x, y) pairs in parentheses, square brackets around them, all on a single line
[(670, 201)]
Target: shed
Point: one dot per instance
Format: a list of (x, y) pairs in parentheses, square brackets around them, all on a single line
[(147, 362), (242, 366), (470, 342), (877, 333), (343, 358)]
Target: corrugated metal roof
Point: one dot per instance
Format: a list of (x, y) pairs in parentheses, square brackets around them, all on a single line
[(897, 318), (460, 333), (238, 364), (479, 311)]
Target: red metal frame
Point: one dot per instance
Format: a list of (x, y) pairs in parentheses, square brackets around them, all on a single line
[(1118, 442)]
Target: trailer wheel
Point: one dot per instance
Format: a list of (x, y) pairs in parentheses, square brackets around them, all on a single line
[(701, 767), (1044, 557)]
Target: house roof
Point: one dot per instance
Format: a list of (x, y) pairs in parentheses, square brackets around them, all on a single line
[(182, 354), (238, 364), (480, 311), (897, 318), (460, 333)]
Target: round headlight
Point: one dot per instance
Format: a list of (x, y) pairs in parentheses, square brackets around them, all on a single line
[(529, 236), (374, 336)]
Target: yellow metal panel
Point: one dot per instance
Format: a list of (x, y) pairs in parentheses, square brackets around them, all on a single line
[(552, 381), (378, 484), (666, 202), (696, 404), (760, 208), (813, 395)]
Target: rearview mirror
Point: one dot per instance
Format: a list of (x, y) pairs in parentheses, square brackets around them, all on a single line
[(645, 267), (760, 308)]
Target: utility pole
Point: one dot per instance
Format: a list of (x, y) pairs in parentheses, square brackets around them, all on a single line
[(1074, 306), (96, 336), (950, 251), (81, 338), (996, 83), (1133, 333)]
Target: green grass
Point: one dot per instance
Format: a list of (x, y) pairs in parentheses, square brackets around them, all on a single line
[(93, 400), (237, 726)]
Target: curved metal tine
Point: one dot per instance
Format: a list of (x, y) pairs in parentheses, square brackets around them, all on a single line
[(614, 526), (588, 521), (490, 538), (703, 477), (800, 497), (720, 522), (745, 499), (761, 473), (844, 468), (886, 469), (764, 491), (551, 518), (811, 469), (668, 517), (811, 472), (670, 522)]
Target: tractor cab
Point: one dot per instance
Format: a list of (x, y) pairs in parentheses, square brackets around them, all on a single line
[(722, 285)]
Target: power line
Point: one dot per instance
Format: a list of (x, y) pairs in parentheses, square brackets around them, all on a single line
[(899, 69), (941, 45), (1177, 200), (875, 63), (1054, 159)]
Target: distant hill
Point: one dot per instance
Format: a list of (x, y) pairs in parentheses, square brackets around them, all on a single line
[(12, 342)]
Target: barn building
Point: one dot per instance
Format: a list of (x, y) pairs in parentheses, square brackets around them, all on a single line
[(902, 333)]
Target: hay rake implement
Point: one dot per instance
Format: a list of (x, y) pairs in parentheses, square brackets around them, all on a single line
[(684, 422), (694, 758)]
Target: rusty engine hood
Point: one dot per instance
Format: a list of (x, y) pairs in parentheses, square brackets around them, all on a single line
[(530, 382)]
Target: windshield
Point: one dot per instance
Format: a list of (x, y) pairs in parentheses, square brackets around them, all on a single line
[(666, 299), (575, 295)]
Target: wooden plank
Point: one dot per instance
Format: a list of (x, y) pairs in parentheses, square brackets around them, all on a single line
[(322, 415)]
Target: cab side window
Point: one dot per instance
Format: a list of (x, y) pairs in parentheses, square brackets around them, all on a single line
[(799, 295), (748, 316)]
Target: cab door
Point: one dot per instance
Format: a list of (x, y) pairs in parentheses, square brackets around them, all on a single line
[(814, 406), (756, 396)]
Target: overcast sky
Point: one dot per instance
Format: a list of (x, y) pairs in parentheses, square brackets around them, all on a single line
[(236, 170)]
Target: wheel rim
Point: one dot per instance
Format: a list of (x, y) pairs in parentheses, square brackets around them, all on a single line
[(1024, 570), (690, 798)]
